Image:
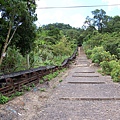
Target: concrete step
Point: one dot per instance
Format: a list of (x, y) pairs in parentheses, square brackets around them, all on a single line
[(85, 75), (81, 110), (96, 91), (82, 69), (86, 82)]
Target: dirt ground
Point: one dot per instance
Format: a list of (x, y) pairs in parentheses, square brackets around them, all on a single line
[(26, 106)]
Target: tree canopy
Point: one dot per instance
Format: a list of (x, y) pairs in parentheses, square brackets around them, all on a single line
[(14, 13), (24, 43)]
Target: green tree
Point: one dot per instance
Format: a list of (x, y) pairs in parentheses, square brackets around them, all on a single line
[(88, 23), (13, 15), (54, 32), (100, 19), (25, 36), (113, 25)]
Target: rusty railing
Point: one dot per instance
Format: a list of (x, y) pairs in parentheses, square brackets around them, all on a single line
[(10, 83)]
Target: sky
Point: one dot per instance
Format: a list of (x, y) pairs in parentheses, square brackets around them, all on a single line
[(73, 16)]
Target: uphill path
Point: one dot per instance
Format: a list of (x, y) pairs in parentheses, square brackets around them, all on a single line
[(83, 95)]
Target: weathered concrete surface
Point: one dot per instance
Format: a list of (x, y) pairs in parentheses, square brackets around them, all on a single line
[(90, 96), (81, 110), (89, 91)]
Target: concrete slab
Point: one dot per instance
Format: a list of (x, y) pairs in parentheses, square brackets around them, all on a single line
[(83, 95), (86, 82), (82, 69), (85, 72), (90, 91), (82, 65), (85, 75), (81, 110)]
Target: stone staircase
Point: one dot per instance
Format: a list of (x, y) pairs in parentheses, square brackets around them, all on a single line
[(83, 95)]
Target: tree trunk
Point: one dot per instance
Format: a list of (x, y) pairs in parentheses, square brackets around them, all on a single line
[(28, 61), (5, 44)]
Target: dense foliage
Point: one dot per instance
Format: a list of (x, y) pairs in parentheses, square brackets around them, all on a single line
[(101, 42), (32, 47), (24, 45), (51, 46), (16, 25)]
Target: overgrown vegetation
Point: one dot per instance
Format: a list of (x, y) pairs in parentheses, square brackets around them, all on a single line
[(102, 45), (23, 45), (3, 99), (42, 89), (52, 75)]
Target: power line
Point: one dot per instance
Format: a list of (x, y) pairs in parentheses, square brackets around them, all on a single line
[(78, 6)]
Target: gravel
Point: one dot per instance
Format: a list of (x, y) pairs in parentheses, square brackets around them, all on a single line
[(83, 97)]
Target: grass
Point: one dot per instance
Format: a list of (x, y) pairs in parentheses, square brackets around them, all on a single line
[(18, 93), (33, 85), (41, 81), (100, 71), (27, 88), (3, 99), (60, 81), (42, 89), (53, 75)]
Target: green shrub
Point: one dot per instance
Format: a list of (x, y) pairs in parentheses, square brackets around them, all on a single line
[(113, 46), (32, 85), (48, 77), (60, 81), (3, 99), (113, 64), (55, 74), (96, 54), (99, 54), (51, 75), (27, 88), (116, 74), (14, 61), (118, 52), (107, 67), (17, 93), (41, 81), (62, 48), (97, 61), (88, 53), (42, 89)]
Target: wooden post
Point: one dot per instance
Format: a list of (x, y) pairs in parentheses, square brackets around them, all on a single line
[(78, 51)]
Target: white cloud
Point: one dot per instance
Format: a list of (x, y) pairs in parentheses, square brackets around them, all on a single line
[(68, 16), (41, 3), (77, 20), (111, 2)]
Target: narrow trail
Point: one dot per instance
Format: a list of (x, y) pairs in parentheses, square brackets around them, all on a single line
[(83, 95)]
